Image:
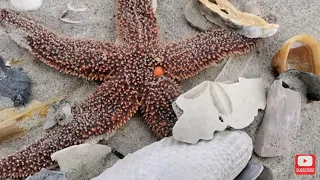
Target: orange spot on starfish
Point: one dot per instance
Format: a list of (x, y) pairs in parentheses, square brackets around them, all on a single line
[(94, 130), (158, 71)]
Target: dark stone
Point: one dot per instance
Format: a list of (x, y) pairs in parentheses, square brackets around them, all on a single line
[(45, 174), (14, 84)]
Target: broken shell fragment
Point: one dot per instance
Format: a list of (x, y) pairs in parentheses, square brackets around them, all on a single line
[(26, 5), (281, 121), (301, 52), (253, 8), (195, 18), (213, 106), (71, 9), (222, 13)]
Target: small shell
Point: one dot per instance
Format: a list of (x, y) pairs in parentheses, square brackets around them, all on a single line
[(222, 13), (26, 5), (301, 52)]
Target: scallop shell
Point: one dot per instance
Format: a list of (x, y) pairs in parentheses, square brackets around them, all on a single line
[(222, 158), (222, 13), (301, 52)]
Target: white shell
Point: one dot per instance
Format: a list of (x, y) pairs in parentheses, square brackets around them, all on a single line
[(280, 121), (26, 5), (222, 158), (212, 106), (82, 161)]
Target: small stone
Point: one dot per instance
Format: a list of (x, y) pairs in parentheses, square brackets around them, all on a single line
[(312, 83), (308, 83), (250, 172), (14, 84), (280, 122), (266, 174), (82, 161), (45, 174)]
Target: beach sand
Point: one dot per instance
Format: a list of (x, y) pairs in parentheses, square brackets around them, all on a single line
[(293, 16)]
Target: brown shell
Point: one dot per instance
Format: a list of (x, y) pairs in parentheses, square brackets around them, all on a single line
[(223, 13), (305, 57)]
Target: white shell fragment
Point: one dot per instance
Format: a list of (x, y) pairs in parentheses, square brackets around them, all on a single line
[(212, 106), (78, 160), (71, 9), (253, 8), (280, 122), (26, 5), (222, 158), (224, 14), (195, 18)]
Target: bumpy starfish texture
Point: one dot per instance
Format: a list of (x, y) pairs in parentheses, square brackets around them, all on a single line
[(127, 70)]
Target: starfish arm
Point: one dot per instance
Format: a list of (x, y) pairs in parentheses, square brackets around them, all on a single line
[(189, 57), (109, 107), (89, 59), (157, 107), (136, 22)]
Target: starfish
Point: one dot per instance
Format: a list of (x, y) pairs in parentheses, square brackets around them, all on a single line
[(137, 71)]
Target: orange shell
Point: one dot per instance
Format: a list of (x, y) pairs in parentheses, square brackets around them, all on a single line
[(303, 58), (158, 71)]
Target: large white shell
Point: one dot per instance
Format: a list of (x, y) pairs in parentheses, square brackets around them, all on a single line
[(26, 5), (222, 158), (212, 106)]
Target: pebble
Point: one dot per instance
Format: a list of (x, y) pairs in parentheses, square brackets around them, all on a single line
[(14, 84), (45, 174)]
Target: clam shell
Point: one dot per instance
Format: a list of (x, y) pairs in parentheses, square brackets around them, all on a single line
[(301, 52), (222, 158), (222, 13)]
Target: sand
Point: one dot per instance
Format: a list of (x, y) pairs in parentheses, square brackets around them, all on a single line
[(294, 17)]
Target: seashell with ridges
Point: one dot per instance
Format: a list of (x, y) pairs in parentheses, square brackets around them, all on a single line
[(224, 14), (222, 158), (301, 52)]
